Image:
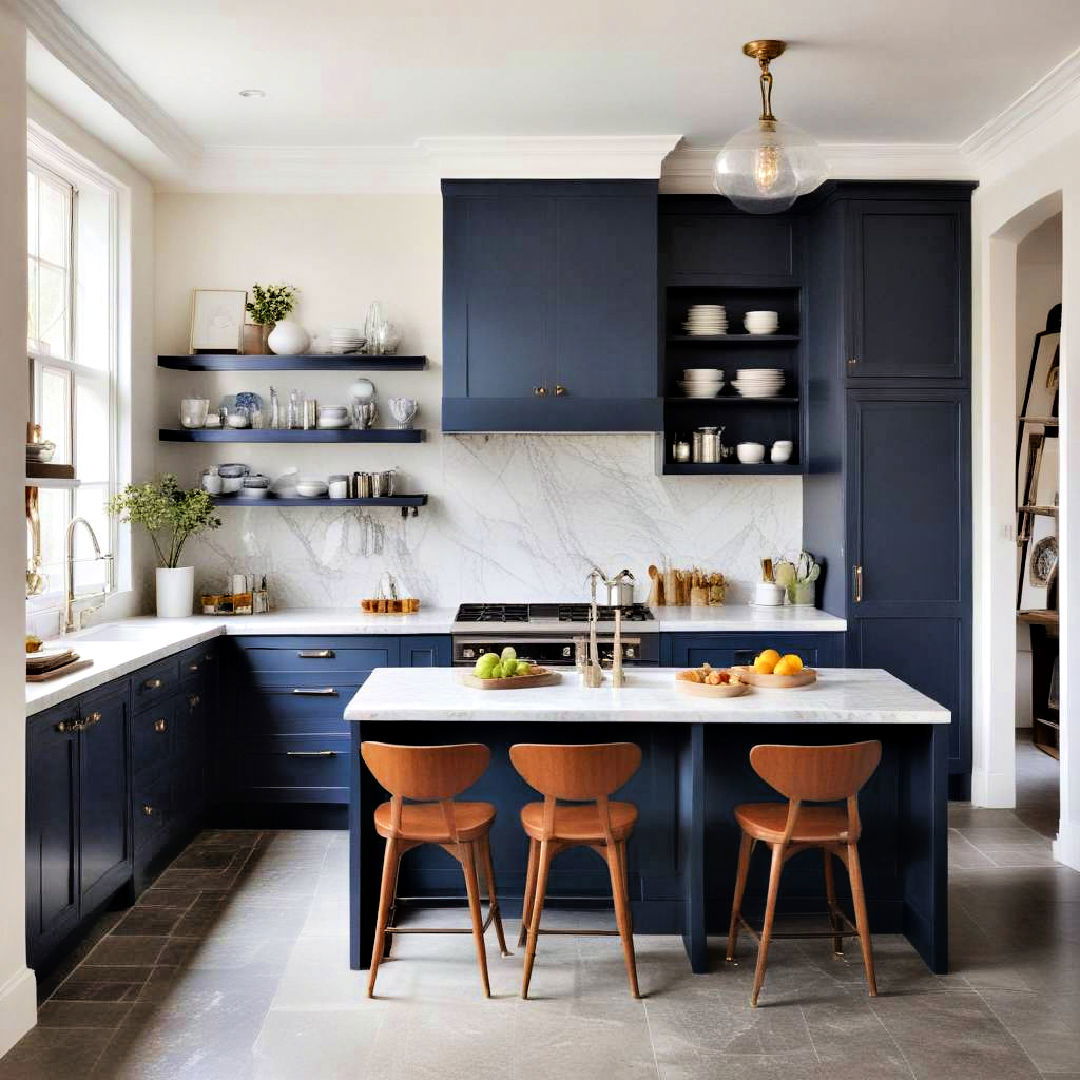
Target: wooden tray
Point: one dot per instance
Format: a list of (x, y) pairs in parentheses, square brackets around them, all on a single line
[(723, 690), (777, 682), (56, 673), (515, 682)]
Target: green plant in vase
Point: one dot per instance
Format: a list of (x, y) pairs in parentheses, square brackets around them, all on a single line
[(269, 305), (171, 515)]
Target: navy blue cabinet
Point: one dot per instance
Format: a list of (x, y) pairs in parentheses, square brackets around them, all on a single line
[(550, 306), (725, 649), (887, 497), (78, 838)]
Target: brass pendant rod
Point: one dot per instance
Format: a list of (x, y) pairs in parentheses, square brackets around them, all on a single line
[(766, 92)]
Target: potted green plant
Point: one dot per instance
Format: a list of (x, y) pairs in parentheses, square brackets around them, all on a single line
[(269, 305), (172, 515)]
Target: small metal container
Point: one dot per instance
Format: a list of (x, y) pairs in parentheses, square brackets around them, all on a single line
[(363, 485)]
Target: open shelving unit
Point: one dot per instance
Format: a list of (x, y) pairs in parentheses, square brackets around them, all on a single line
[(302, 362), (292, 435), (405, 502)]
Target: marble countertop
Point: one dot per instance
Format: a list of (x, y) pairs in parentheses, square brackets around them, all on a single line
[(840, 696), (734, 618)]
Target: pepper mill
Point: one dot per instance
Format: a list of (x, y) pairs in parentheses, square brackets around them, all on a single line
[(617, 677)]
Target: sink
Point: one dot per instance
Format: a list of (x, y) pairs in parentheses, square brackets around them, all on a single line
[(116, 632)]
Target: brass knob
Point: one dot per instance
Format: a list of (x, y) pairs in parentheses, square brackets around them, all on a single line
[(193, 666), (161, 725), (540, 391), (90, 720), (193, 701), (148, 810), (67, 725), (560, 391), (852, 361), (152, 684)]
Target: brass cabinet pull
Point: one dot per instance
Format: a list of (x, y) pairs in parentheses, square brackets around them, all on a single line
[(852, 361), (89, 721), (153, 684), (193, 701), (193, 666), (311, 753), (316, 654), (540, 391), (560, 391), (148, 810), (306, 691), (67, 725), (161, 725), (857, 574)]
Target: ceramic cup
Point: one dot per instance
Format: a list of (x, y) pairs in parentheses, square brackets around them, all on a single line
[(781, 451), (750, 453), (761, 322), (768, 594)]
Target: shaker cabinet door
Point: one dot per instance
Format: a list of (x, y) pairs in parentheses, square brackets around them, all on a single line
[(909, 291)]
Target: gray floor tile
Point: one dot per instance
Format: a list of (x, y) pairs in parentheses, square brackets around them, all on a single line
[(47, 1053), (1047, 1026)]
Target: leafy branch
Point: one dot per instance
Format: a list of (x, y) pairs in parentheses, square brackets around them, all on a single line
[(172, 515), (270, 303)]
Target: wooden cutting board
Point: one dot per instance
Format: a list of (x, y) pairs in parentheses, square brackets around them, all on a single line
[(777, 682), (515, 682), (56, 673)]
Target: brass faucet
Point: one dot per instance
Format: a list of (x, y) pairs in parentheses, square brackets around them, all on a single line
[(72, 617)]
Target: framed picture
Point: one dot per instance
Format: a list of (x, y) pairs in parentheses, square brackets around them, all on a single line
[(1041, 394), (217, 320), (1028, 477), (1039, 573)]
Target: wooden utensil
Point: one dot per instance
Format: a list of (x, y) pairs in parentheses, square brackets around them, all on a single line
[(656, 590), (56, 673), (776, 682), (546, 677)]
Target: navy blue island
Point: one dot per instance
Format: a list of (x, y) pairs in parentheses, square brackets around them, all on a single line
[(695, 770)]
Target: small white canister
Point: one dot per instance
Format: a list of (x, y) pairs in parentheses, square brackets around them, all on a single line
[(768, 594)]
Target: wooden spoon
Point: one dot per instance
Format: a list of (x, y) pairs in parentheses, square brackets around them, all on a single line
[(656, 592)]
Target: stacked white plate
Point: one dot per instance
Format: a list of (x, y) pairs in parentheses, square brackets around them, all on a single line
[(759, 382), (706, 320), (345, 339), (702, 382)]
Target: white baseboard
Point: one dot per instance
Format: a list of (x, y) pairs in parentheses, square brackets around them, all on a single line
[(1066, 847), (18, 1007), (996, 790)]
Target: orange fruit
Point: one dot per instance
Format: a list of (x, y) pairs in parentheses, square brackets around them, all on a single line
[(764, 664), (794, 661), (769, 654), (784, 667)]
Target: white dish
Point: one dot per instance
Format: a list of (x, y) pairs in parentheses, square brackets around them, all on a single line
[(312, 489), (703, 373), (333, 425)]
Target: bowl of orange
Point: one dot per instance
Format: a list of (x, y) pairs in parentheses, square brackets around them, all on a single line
[(772, 671)]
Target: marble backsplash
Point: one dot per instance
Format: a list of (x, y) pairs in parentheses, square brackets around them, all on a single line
[(513, 518)]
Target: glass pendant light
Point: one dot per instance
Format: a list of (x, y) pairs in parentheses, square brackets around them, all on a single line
[(765, 168)]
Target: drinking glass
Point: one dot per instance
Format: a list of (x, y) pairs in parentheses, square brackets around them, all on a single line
[(193, 412)]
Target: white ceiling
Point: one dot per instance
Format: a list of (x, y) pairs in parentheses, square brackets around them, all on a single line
[(387, 72)]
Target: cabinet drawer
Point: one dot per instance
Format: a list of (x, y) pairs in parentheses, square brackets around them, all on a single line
[(198, 665), (155, 682), (152, 810), (283, 704), (319, 656), (153, 736), (294, 768)]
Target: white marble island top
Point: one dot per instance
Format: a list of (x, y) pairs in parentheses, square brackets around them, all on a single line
[(840, 696)]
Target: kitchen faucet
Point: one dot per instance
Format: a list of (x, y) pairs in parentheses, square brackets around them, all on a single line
[(72, 618)]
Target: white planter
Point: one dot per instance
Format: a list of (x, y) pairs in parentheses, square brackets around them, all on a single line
[(288, 339), (175, 591)]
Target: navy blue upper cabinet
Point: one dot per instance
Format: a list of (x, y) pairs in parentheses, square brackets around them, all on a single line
[(550, 306), (909, 289)]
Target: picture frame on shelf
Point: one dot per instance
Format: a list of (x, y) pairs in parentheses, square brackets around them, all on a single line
[(1028, 478), (217, 320), (1041, 392), (1038, 575)]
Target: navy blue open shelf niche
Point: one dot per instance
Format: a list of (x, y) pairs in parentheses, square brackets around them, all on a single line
[(314, 435), (303, 362)]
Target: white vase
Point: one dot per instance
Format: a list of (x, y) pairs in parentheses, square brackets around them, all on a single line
[(288, 338), (175, 591)]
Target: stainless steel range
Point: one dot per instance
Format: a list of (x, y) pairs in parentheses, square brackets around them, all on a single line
[(546, 632)]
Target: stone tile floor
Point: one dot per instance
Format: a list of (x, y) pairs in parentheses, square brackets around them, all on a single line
[(232, 966)]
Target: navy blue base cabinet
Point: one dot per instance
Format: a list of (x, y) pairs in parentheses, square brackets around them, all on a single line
[(723, 650)]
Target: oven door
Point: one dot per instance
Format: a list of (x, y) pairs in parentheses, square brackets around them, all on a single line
[(555, 651)]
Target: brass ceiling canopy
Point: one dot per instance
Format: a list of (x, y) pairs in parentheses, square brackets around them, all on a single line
[(765, 49)]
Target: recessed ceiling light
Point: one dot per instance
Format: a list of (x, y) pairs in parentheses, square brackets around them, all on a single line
[(253, 93)]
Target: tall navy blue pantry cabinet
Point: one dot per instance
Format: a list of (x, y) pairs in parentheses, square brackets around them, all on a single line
[(550, 302), (887, 495)]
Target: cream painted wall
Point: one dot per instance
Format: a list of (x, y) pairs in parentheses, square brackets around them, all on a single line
[(1017, 199), (18, 1006), (511, 518)]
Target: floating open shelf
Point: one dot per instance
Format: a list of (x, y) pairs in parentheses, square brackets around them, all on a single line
[(727, 468), (731, 399), (735, 339), (303, 362), (314, 435), (406, 502)]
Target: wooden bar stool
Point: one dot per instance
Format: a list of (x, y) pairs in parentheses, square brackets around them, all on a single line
[(807, 774), (580, 774), (434, 774)]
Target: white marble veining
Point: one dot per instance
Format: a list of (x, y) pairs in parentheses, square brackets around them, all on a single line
[(511, 518), (840, 696), (735, 618)]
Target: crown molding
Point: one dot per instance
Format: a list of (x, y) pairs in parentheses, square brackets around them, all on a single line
[(1037, 106), (689, 169), (78, 52)]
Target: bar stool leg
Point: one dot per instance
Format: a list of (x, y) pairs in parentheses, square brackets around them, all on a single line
[(862, 924), (830, 899), (530, 889), (770, 915), (746, 849), (620, 891), (472, 888), (386, 897), (547, 853), (493, 895)]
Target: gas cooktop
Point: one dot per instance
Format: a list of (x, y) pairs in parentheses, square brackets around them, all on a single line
[(539, 617)]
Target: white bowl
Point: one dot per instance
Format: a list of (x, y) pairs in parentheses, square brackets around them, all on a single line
[(311, 489), (750, 453), (702, 374), (333, 411)]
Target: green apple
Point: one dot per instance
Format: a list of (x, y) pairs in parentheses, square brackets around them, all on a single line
[(509, 653)]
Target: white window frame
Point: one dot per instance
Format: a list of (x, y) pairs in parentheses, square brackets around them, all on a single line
[(46, 155)]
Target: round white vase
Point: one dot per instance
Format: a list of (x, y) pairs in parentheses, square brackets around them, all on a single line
[(175, 591), (288, 338)]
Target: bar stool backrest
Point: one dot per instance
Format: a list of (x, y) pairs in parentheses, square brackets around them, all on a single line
[(818, 774), (576, 773)]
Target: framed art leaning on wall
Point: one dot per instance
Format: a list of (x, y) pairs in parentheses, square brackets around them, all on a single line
[(217, 320)]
